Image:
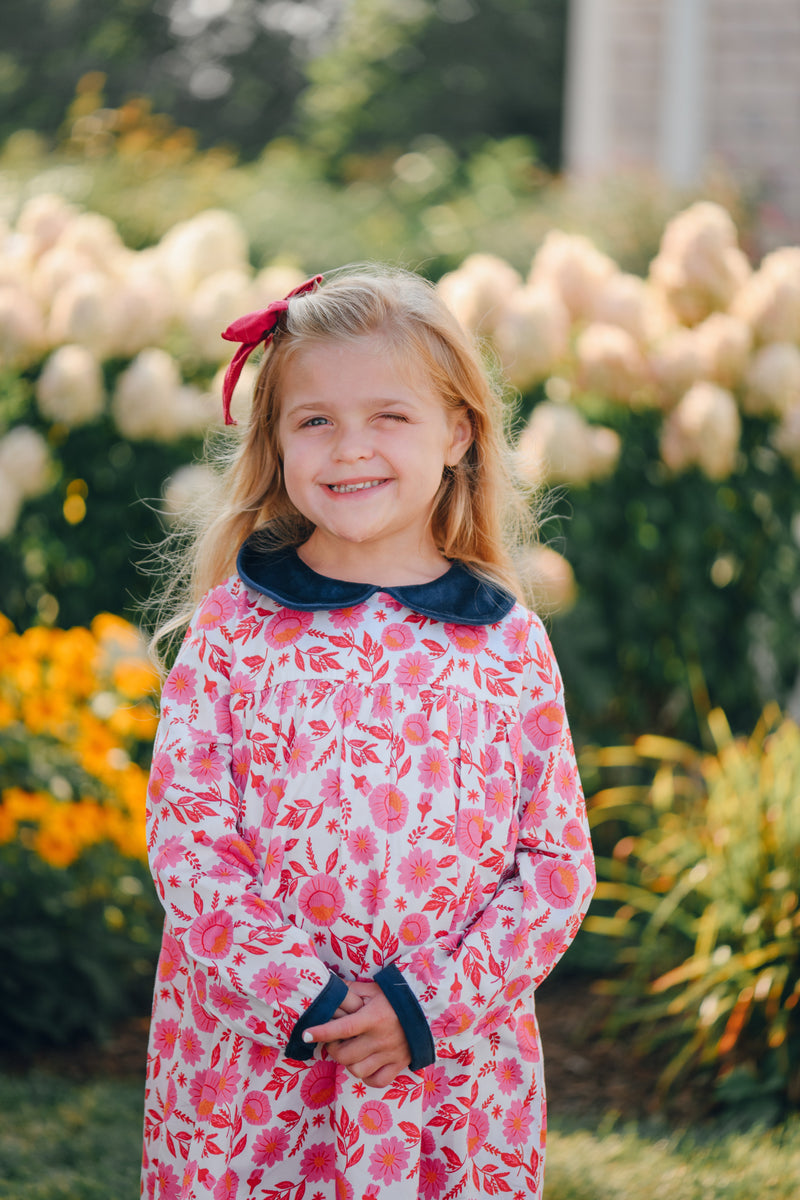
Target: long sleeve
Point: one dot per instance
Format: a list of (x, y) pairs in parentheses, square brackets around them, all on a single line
[(248, 968), (519, 932)]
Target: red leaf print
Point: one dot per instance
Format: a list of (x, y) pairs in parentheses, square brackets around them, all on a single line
[(381, 671), (215, 1056), (356, 1156), (331, 862), (444, 831), (434, 647), (220, 1120), (453, 1161), (410, 1130), (298, 659), (255, 661), (290, 1117), (198, 903)]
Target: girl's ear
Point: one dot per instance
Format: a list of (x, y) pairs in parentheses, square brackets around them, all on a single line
[(460, 440)]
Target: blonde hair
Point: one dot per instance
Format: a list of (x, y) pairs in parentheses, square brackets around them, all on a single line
[(480, 513)]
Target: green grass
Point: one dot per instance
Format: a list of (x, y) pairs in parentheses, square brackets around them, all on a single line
[(64, 1140), (652, 1162)]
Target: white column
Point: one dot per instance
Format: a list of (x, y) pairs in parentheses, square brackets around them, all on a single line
[(587, 127), (682, 133)]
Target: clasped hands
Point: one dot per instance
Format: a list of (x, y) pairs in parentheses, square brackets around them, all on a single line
[(365, 1036)]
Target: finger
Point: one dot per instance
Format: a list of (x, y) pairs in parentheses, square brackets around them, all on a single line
[(384, 1076), (351, 1003), (339, 1029)]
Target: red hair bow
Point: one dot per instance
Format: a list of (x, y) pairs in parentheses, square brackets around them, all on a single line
[(251, 330)]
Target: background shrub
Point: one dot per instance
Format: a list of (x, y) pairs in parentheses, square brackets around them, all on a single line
[(79, 920), (698, 895)]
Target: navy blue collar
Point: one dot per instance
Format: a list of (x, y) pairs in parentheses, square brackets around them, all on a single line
[(459, 596)]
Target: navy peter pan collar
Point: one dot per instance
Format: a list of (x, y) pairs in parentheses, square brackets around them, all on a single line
[(458, 596)]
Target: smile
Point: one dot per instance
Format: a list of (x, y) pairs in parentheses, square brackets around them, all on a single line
[(341, 488)]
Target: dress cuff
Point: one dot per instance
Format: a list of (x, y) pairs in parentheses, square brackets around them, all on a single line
[(317, 1013), (410, 1015)]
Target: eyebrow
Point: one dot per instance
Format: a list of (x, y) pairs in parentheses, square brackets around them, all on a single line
[(378, 402)]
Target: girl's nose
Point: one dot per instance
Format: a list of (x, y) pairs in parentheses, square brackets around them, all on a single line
[(352, 445)]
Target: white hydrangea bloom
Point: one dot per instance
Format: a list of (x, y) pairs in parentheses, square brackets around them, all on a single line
[(559, 446), (770, 300), (17, 260), (146, 403), (772, 381), (549, 579), (703, 430), (25, 461), (44, 219), (574, 266), (532, 334), (217, 301), (273, 282), (186, 488), (210, 242), (724, 343), (478, 292), (144, 310), (95, 237), (70, 387), (22, 331), (610, 362), (699, 266), (56, 268), (676, 362), (85, 311), (630, 302)]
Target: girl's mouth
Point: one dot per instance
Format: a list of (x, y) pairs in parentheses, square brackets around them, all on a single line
[(343, 488)]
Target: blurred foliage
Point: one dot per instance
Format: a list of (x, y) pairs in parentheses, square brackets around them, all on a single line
[(79, 946), (66, 559), (79, 920), (226, 75), (697, 868), (686, 588), (426, 207), (460, 70), (354, 75)]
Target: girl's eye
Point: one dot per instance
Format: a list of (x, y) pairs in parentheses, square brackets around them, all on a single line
[(314, 421), (390, 416)]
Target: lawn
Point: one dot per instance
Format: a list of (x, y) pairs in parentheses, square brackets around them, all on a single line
[(62, 1139)]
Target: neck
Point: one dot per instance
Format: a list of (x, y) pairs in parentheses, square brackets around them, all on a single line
[(364, 564)]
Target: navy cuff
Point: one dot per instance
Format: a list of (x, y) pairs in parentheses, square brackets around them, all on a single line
[(317, 1013), (410, 1015)]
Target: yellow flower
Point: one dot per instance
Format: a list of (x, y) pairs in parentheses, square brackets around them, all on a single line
[(93, 744), (25, 806), (135, 678), (134, 721), (8, 712), (115, 634), (46, 711)]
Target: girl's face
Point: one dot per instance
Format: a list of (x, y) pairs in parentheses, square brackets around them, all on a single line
[(363, 451)]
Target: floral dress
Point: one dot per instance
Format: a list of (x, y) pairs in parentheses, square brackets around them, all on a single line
[(349, 783)]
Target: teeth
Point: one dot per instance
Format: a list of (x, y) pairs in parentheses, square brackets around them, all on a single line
[(354, 487)]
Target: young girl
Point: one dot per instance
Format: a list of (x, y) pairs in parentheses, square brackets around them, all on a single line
[(365, 820)]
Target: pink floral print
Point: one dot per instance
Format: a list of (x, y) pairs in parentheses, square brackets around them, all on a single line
[(332, 792)]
